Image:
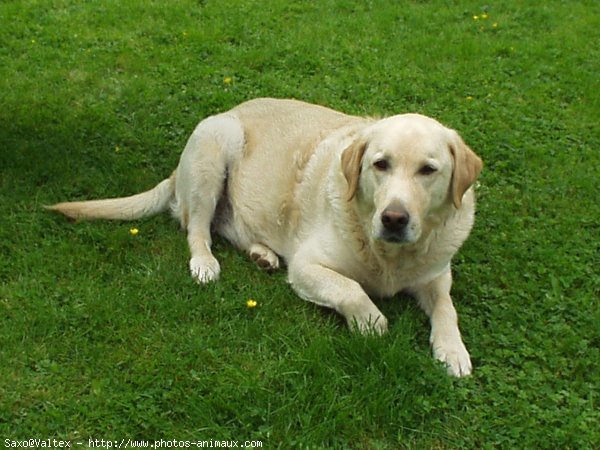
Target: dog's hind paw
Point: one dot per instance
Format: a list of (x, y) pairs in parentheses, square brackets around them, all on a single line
[(264, 257), (205, 269)]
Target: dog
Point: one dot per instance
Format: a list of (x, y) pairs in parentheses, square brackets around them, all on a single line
[(356, 207)]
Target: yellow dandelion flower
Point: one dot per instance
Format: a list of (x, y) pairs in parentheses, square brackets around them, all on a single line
[(484, 16), (495, 25), (251, 303), (469, 98), (227, 80), (475, 17), (134, 231)]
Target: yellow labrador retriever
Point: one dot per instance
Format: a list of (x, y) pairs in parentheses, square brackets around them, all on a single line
[(356, 207)]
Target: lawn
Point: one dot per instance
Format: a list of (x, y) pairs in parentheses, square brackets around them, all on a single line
[(104, 335)]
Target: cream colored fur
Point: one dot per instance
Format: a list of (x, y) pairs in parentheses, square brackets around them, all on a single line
[(286, 179)]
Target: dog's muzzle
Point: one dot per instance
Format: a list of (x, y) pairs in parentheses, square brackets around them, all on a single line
[(395, 219)]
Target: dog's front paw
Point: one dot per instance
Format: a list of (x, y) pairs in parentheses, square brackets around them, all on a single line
[(205, 269), (454, 355), (368, 324), (363, 316)]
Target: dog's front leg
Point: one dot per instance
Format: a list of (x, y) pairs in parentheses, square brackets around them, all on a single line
[(446, 342), (326, 287)]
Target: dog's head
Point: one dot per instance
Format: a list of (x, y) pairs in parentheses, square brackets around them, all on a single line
[(403, 170)]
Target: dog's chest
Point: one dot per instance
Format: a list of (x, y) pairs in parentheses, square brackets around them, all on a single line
[(386, 277)]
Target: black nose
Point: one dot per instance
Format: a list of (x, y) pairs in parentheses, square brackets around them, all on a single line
[(395, 218)]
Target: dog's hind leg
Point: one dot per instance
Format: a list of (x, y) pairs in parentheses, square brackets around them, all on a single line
[(201, 177)]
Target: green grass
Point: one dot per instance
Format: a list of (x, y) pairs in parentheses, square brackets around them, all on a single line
[(104, 335)]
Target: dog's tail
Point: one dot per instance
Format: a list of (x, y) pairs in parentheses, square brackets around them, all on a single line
[(145, 204)]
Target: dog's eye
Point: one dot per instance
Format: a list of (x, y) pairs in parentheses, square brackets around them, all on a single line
[(427, 169), (381, 165)]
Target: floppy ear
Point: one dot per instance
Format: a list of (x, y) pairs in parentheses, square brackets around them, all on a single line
[(467, 166), (351, 166)]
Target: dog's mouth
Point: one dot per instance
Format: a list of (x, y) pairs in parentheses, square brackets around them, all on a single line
[(395, 238), (406, 236)]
